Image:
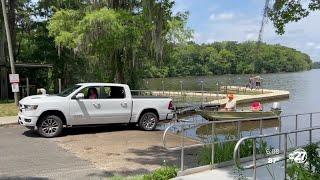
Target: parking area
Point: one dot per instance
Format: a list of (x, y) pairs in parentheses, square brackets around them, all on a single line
[(84, 153), (23, 155)]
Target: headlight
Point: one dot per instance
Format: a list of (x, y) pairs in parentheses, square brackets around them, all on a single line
[(30, 107)]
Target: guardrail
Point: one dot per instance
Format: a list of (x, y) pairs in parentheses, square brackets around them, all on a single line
[(254, 165), (188, 125)]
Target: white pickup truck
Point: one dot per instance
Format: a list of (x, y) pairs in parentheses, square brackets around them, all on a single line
[(92, 103)]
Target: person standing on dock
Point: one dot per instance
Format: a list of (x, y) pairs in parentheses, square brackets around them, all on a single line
[(231, 105)]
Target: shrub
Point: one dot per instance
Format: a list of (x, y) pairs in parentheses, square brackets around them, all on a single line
[(164, 173), (310, 170), (224, 151)]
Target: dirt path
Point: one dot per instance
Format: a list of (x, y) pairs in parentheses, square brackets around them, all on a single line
[(122, 150)]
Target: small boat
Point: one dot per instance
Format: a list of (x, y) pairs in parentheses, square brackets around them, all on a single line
[(230, 115)]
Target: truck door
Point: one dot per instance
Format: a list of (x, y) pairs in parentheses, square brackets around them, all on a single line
[(87, 110), (116, 107)]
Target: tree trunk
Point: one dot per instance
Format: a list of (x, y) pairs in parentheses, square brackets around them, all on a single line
[(3, 68), (12, 24)]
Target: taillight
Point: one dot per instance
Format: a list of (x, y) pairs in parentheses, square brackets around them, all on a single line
[(171, 106)]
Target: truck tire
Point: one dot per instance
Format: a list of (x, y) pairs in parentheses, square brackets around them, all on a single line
[(50, 126), (148, 121)]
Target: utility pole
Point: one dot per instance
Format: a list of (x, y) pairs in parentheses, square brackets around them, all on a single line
[(13, 70)]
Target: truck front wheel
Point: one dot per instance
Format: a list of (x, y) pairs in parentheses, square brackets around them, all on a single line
[(50, 126), (148, 121)]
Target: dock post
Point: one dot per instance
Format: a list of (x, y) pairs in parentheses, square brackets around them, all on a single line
[(27, 85), (285, 155), (296, 138), (182, 149), (239, 135), (260, 132), (162, 87), (181, 87), (310, 132), (59, 82), (254, 154), (212, 146), (280, 132), (202, 94)]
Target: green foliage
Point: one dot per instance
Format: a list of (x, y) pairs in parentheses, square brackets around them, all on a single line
[(224, 151), (137, 177), (125, 41), (229, 58), (114, 41), (284, 11), (164, 173), (310, 170), (118, 41)]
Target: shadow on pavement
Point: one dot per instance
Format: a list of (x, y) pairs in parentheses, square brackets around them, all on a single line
[(124, 172), (90, 129), (21, 178)]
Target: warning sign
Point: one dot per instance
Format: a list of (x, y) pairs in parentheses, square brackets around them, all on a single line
[(14, 78), (15, 87)]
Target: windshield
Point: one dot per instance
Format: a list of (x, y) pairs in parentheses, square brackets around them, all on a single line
[(68, 91)]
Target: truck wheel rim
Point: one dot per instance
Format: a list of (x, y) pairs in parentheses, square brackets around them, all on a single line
[(149, 121), (49, 126)]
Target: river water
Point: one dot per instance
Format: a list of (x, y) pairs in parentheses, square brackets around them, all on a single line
[(304, 88)]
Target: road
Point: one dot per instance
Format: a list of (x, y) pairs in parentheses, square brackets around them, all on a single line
[(23, 155)]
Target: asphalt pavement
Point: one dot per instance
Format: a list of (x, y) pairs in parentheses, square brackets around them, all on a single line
[(25, 155)]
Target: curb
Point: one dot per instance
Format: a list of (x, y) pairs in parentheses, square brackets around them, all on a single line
[(8, 120), (6, 124)]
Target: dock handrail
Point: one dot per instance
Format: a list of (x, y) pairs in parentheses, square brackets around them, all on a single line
[(254, 165), (187, 125)]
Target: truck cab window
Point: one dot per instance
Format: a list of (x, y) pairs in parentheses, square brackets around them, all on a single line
[(112, 92), (91, 92)]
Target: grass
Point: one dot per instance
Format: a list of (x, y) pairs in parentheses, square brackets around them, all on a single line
[(163, 173), (8, 108), (137, 177)]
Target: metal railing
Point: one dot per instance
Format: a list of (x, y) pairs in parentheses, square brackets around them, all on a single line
[(189, 125), (184, 98), (254, 165)]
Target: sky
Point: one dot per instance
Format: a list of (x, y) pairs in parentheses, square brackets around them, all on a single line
[(239, 20)]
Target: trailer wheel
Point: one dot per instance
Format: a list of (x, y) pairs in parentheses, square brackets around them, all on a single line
[(148, 121), (50, 126)]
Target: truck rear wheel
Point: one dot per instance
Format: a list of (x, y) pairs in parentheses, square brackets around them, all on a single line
[(50, 126), (148, 121)]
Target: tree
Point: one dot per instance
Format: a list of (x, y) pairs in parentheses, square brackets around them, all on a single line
[(119, 39), (285, 11)]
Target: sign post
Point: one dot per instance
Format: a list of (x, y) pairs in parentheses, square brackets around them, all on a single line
[(14, 80), (6, 24)]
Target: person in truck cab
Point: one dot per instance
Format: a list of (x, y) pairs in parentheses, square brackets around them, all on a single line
[(92, 93)]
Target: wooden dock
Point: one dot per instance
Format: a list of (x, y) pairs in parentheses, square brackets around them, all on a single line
[(243, 95)]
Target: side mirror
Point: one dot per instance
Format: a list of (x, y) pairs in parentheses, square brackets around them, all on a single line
[(80, 96)]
